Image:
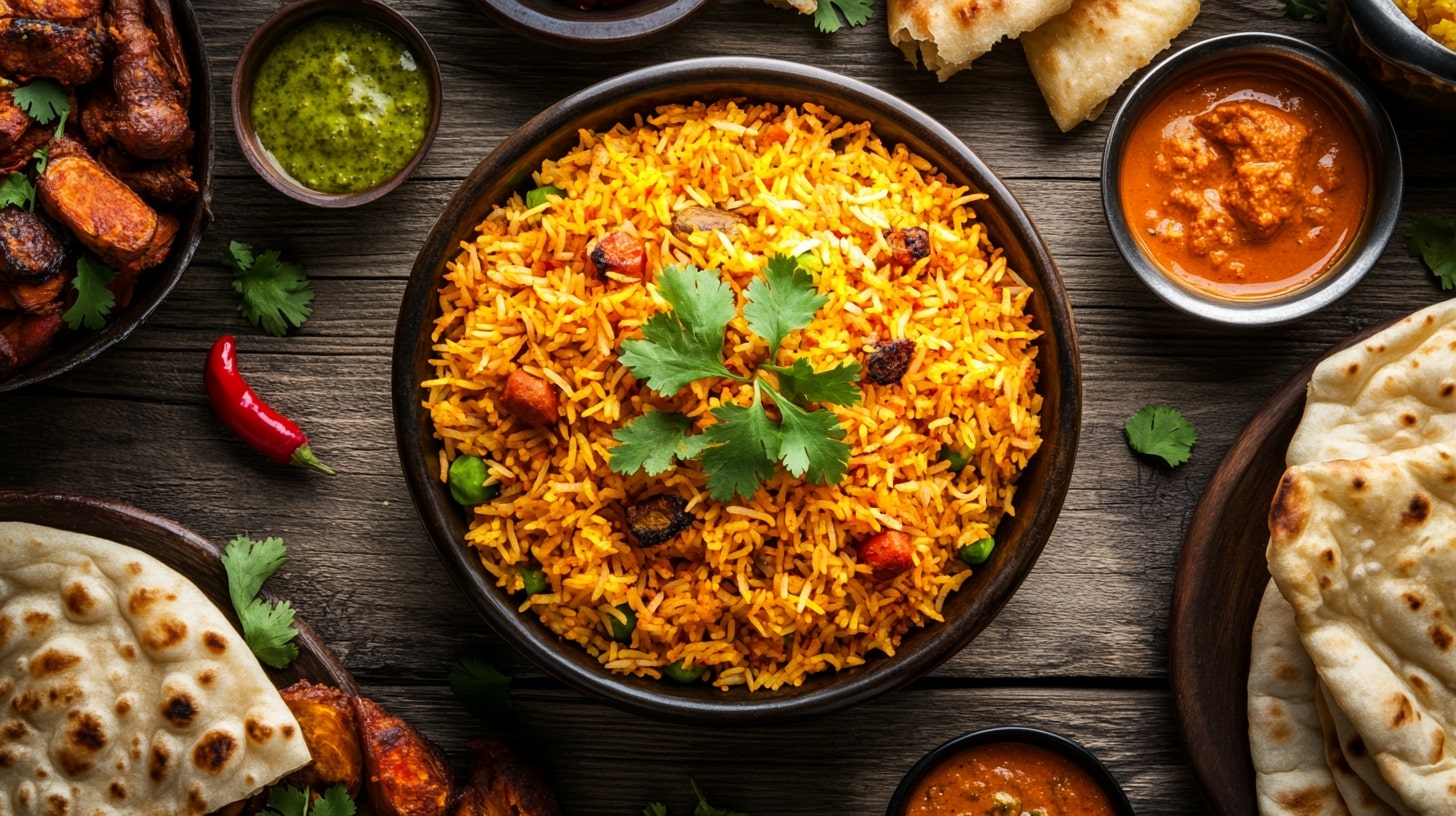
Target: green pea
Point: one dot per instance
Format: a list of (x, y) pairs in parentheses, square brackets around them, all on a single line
[(958, 460), (977, 552), (622, 627), (538, 196), (678, 672), (467, 481), (534, 582)]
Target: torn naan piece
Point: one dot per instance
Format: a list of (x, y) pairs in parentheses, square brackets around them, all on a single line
[(948, 34), (123, 689), (1365, 792), (1291, 777), (1395, 390), (1081, 57), (1365, 552)]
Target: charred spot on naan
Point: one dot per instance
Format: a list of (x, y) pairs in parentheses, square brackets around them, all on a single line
[(83, 740), (1289, 511), (52, 662), (1417, 511), (212, 752)]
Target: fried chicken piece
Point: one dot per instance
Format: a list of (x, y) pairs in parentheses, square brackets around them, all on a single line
[(331, 732), (40, 48), (152, 90), (693, 219), (164, 183), (503, 784), (104, 214), (19, 154), (656, 520), (889, 362), (14, 122), (405, 773), (24, 338), (908, 245), (57, 11), (29, 249)]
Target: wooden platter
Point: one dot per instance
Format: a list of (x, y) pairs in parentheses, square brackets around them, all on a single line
[(179, 548)]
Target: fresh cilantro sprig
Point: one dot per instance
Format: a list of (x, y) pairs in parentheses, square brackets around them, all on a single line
[(1159, 430), (703, 808), (286, 800), (856, 13), (1433, 240), (746, 444), (93, 299), (275, 293), (267, 627), (1311, 10), (45, 101), (17, 191), (481, 688)]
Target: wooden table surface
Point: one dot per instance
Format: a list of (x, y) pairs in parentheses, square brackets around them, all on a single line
[(1081, 648)]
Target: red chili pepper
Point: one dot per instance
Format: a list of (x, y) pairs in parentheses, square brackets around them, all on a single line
[(264, 429)]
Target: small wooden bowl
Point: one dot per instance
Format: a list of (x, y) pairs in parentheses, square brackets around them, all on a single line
[(634, 24), (262, 42)]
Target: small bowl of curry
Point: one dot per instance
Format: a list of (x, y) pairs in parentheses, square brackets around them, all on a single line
[(336, 102), (1251, 179), (1012, 769)]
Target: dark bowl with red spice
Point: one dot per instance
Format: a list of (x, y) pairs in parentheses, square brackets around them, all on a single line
[(594, 25)]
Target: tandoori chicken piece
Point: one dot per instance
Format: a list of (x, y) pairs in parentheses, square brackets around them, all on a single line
[(163, 183), (24, 337), (331, 732), (152, 91), (19, 154), (107, 216), (57, 11), (14, 121), (31, 48), (30, 250), (503, 784), (405, 773)]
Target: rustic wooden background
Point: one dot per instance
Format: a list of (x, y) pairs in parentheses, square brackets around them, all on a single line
[(1081, 649)]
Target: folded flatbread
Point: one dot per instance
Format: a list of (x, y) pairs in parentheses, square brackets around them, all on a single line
[(123, 689), (1365, 552), (1364, 790), (948, 34), (1081, 57)]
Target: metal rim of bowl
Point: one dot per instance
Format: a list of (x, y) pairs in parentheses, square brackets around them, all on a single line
[(1398, 39), (257, 48), (1369, 120), (558, 24), (1050, 740), (508, 168)]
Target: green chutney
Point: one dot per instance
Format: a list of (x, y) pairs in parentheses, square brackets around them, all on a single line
[(341, 104)]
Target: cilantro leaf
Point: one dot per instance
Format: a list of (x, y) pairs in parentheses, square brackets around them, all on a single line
[(16, 190), (1159, 430), (801, 384), (1311, 10), (537, 196), (93, 300), (856, 13), (655, 809), (746, 446), (43, 100), (286, 800), (275, 293), (650, 442), (1433, 240), (705, 809), (781, 301), (686, 343), (267, 627), (335, 802), (809, 443), (481, 688)]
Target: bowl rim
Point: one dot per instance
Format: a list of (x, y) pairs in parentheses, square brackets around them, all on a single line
[(1399, 40), (601, 105), (147, 299), (1322, 72), (1026, 735), (260, 43), (633, 25)]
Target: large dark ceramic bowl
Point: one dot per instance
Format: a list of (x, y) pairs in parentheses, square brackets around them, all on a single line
[(73, 348), (508, 170), (1395, 53), (559, 23)]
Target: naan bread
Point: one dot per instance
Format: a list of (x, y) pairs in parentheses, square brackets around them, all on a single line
[(1365, 552), (1394, 391), (1291, 777), (949, 34), (123, 689), (1365, 792), (1081, 57)]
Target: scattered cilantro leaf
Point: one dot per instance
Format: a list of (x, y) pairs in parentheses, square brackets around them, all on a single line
[(705, 809), (801, 384), (1311, 10), (655, 809), (43, 100), (781, 301), (652, 441), (93, 299), (286, 800), (686, 343), (809, 443), (17, 191), (267, 627), (335, 802), (1433, 240), (745, 447), (856, 13), (275, 293), (481, 688), (540, 195), (1159, 430)]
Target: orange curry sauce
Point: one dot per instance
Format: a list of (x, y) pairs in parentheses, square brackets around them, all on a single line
[(1008, 779), (1244, 183)]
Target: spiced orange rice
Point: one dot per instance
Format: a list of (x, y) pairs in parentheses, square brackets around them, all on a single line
[(767, 590)]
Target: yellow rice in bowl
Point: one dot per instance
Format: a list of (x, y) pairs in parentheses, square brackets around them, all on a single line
[(1435, 17), (768, 590)]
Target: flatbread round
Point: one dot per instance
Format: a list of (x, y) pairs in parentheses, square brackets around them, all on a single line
[(123, 688), (948, 34)]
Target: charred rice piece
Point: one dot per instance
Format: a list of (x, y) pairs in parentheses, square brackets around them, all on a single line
[(694, 219), (656, 520), (908, 245), (503, 784), (888, 363), (30, 250), (620, 252)]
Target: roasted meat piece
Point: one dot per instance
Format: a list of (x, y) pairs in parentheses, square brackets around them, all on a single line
[(531, 399), (908, 245), (39, 48), (164, 183), (332, 734), (405, 773), (503, 784), (105, 215), (41, 297), (30, 250), (57, 11), (24, 338), (620, 252), (20, 153), (889, 362), (693, 219), (14, 122), (150, 82), (656, 520)]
